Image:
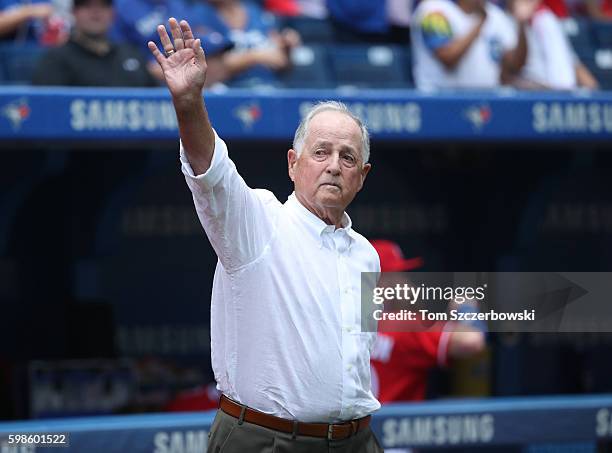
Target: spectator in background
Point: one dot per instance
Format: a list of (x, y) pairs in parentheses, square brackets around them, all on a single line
[(599, 9), (136, 23), (468, 43), (551, 61), (367, 21), (259, 50), (36, 21), (89, 58), (401, 361), (137, 20)]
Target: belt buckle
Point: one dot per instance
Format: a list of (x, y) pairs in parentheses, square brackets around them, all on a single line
[(330, 432)]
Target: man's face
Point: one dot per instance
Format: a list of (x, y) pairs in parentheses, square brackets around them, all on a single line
[(330, 171), (93, 18)]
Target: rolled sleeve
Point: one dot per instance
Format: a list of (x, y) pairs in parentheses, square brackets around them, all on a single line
[(238, 220), (214, 174)]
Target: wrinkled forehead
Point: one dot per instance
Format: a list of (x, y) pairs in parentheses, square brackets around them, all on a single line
[(333, 126)]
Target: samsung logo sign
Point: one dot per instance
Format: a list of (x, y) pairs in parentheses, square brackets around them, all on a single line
[(383, 117), (180, 441), (438, 430), (563, 117), (127, 115)]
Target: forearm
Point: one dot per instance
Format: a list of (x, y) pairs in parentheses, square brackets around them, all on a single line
[(236, 62), (515, 59), (584, 78), (197, 135), (12, 19), (452, 53)]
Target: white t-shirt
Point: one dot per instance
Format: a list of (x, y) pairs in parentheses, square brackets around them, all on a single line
[(437, 23), (550, 58)]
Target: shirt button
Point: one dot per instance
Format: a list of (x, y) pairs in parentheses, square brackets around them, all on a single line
[(347, 290), (349, 367)]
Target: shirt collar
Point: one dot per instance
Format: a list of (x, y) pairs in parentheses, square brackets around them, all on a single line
[(315, 224)]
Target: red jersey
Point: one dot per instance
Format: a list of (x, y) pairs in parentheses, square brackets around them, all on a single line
[(401, 361), (199, 399)]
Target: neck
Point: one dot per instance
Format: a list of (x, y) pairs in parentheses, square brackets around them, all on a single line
[(97, 44), (466, 7), (331, 216)]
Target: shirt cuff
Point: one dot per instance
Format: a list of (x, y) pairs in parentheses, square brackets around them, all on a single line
[(215, 172)]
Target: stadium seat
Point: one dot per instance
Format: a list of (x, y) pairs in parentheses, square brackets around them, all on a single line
[(312, 31), (19, 62), (370, 66), (578, 30), (310, 68), (602, 33)]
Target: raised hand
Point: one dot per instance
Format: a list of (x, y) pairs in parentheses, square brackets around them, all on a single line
[(184, 62)]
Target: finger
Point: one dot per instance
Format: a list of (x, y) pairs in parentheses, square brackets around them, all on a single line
[(164, 38), (176, 34), (187, 33), (156, 53), (199, 52)]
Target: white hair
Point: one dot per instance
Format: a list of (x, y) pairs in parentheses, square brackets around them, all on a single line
[(334, 106)]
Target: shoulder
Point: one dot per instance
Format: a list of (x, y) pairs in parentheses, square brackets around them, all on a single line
[(258, 15), (496, 13), (441, 6), (500, 22), (544, 17), (267, 198), (435, 12)]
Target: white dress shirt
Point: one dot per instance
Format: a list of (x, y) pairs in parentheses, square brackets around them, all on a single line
[(285, 310)]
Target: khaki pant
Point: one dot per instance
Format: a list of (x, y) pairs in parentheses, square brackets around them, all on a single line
[(227, 435)]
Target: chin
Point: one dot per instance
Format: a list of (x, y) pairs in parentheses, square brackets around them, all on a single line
[(330, 201)]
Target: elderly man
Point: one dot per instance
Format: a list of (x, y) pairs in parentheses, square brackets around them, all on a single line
[(287, 349)]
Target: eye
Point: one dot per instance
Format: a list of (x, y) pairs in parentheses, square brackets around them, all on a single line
[(349, 158), (320, 153)]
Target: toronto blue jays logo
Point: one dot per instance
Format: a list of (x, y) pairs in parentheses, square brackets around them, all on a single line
[(16, 112), (248, 114), (478, 115)]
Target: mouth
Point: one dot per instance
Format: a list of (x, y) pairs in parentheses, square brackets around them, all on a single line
[(332, 184)]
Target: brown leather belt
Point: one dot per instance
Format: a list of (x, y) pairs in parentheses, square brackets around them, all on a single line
[(335, 431)]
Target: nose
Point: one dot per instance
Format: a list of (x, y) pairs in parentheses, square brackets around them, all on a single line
[(333, 166)]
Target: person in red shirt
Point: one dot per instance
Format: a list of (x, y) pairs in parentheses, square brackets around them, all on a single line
[(401, 360)]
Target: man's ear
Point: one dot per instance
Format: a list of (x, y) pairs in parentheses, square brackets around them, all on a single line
[(364, 172), (291, 161)]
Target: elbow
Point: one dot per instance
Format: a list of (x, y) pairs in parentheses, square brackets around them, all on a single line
[(447, 58), (449, 63)]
